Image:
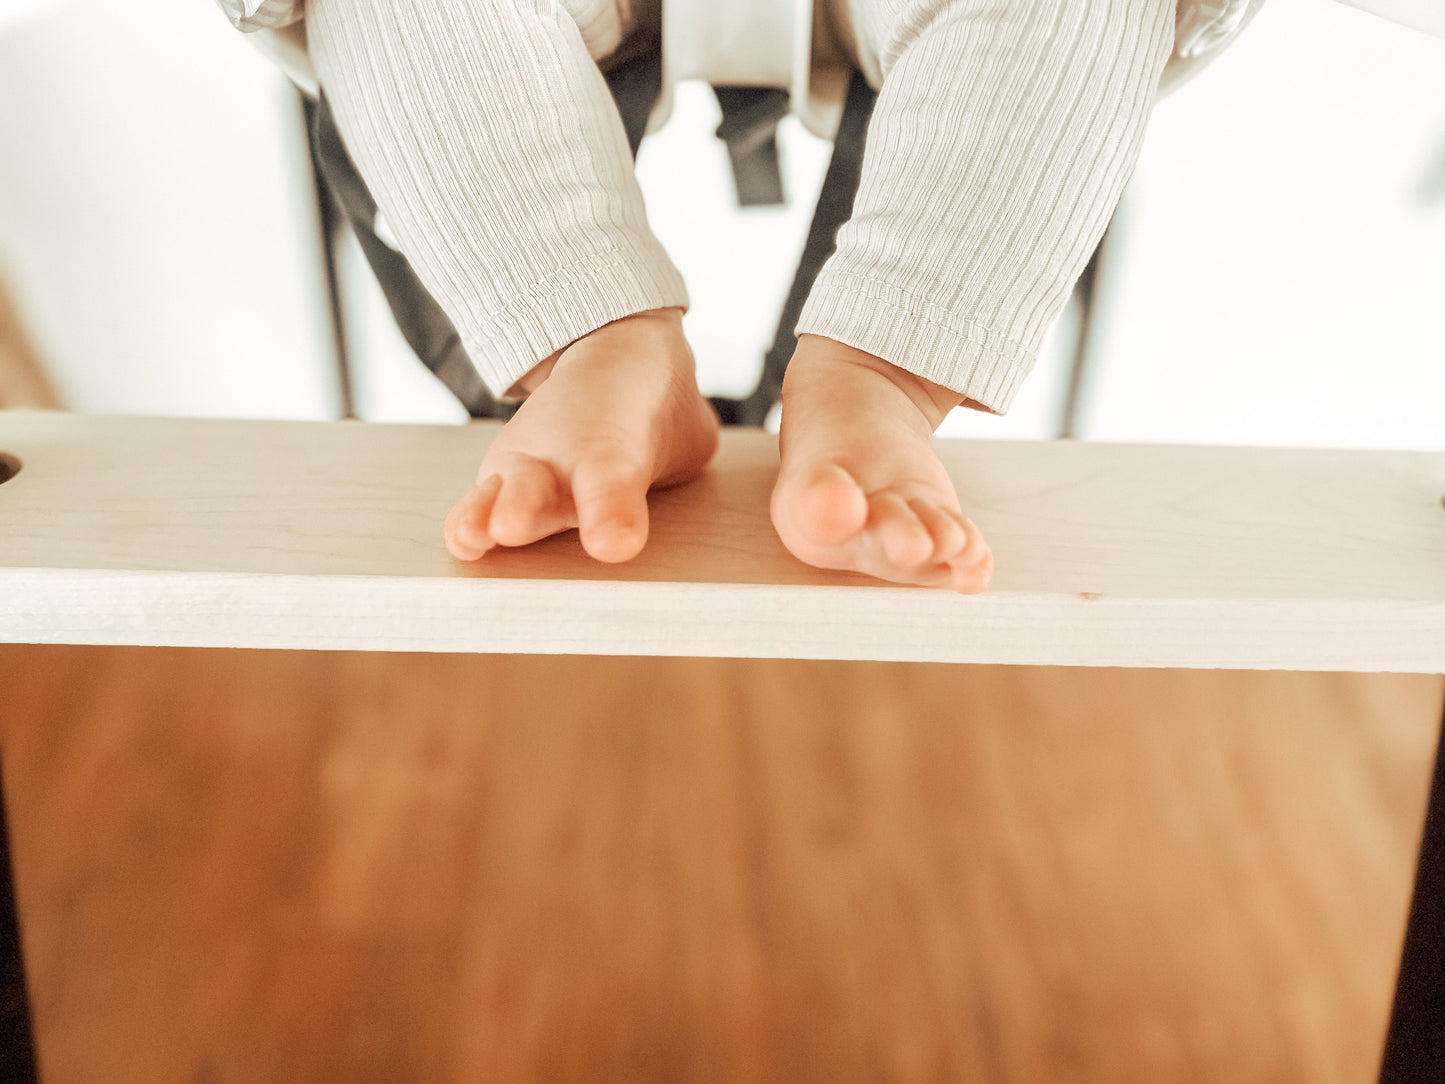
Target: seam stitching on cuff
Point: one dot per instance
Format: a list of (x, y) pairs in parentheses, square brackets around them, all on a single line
[(1009, 349), (554, 284)]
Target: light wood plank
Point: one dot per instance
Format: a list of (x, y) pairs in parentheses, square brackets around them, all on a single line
[(327, 535)]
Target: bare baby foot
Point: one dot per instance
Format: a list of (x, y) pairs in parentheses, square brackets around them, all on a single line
[(860, 487), (611, 416)]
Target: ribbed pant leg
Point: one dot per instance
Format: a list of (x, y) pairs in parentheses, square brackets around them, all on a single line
[(485, 132), (1000, 144)]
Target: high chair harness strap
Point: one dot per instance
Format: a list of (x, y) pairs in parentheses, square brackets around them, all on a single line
[(749, 125)]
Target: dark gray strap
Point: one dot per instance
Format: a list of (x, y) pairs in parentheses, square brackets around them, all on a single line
[(750, 129), (835, 207), (635, 86)]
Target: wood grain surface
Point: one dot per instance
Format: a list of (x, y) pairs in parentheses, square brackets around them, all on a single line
[(303, 866), (327, 535)]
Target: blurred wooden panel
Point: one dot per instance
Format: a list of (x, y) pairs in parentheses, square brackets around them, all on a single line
[(23, 382), (272, 866)]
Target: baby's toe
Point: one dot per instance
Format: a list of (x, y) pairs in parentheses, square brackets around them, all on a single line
[(975, 550), (972, 568), (973, 577), (826, 506), (610, 493), (465, 530), (529, 505), (947, 530), (905, 539)]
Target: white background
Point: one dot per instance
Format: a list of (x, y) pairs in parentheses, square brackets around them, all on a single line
[(1275, 274)]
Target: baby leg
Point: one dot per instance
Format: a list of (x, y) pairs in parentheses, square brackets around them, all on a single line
[(1000, 143), (488, 138)]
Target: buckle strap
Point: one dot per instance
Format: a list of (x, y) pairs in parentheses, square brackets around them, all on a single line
[(750, 129)]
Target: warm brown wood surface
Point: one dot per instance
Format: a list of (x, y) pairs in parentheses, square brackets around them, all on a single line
[(303, 867)]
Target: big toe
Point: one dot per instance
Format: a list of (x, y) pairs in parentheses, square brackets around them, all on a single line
[(823, 504)]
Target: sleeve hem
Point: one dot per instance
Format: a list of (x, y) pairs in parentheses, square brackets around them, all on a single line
[(961, 354), (537, 323)]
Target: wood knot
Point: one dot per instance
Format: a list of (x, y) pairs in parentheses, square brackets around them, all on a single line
[(9, 467)]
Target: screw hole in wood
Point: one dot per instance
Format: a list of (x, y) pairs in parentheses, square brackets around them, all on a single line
[(9, 467)]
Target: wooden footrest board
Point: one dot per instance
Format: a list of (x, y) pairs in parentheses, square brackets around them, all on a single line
[(328, 536)]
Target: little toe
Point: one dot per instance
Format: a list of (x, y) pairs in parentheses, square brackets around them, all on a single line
[(465, 529), (904, 538), (972, 568), (972, 578), (610, 494), (976, 550), (530, 504)]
